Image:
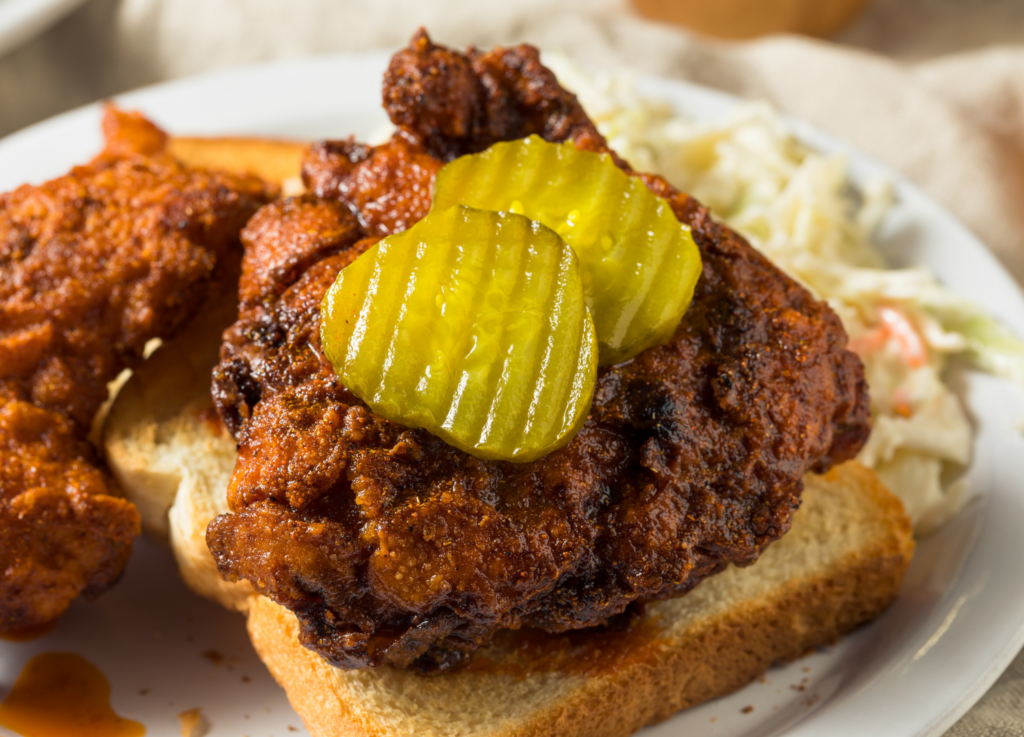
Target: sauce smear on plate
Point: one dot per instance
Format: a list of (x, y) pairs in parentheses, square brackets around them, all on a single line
[(60, 694)]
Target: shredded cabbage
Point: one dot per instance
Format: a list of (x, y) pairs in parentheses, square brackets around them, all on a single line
[(799, 208)]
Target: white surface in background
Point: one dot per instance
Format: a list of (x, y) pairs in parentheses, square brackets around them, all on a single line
[(21, 20), (956, 626)]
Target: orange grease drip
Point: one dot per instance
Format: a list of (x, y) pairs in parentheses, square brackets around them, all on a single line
[(62, 694), (589, 652), (29, 633), (212, 419)]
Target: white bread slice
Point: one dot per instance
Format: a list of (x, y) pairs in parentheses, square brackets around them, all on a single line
[(840, 565), (166, 446)]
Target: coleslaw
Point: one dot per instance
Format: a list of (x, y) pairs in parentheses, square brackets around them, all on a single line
[(798, 207)]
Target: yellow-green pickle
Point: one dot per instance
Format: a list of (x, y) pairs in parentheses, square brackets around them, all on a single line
[(639, 263), (472, 325)]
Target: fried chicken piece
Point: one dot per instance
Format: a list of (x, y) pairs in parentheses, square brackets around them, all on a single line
[(63, 531), (92, 266), (455, 104), (285, 238), (388, 187), (395, 548), (446, 104)]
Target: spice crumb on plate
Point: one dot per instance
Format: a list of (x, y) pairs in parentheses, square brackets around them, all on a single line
[(193, 723)]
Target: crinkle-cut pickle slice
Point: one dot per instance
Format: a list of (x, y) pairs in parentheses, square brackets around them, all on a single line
[(640, 264), (472, 325)]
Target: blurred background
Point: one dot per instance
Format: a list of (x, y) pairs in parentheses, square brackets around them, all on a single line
[(934, 88), (97, 48)]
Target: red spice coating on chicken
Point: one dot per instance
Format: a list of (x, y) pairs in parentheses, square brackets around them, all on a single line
[(394, 548)]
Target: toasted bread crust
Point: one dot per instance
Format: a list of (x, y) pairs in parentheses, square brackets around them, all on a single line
[(828, 576), (274, 161)]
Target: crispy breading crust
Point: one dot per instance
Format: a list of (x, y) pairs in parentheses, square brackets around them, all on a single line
[(394, 548), (92, 266), (63, 532)]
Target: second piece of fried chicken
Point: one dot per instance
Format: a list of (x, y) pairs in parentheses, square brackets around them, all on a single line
[(92, 266), (394, 548)]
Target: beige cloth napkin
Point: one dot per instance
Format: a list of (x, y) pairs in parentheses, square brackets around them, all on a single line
[(941, 98)]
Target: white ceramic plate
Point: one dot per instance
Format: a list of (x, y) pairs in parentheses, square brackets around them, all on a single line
[(20, 20), (954, 629)]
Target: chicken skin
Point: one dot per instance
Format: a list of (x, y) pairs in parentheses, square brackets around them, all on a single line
[(92, 266), (394, 548)]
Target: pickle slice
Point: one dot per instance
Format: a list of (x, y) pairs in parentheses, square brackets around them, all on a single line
[(472, 325), (639, 263)]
